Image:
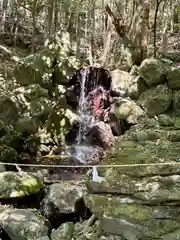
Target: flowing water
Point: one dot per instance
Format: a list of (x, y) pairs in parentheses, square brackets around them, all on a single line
[(86, 120), (92, 98)]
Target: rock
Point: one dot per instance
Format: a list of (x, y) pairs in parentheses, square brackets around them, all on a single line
[(165, 120), (142, 135), (60, 121), (18, 184), (176, 102), (31, 69), (111, 237), (53, 65), (121, 81), (141, 184), (134, 70), (101, 135), (44, 238), (9, 112), (35, 91), (84, 230), (21, 224), (148, 190), (133, 221), (125, 84), (128, 110), (153, 71), (8, 154), (64, 232), (156, 100), (26, 124), (2, 167), (61, 199), (173, 78)]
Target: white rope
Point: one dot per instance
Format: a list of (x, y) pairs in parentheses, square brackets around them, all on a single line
[(89, 166)]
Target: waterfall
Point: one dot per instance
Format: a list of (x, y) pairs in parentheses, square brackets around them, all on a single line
[(85, 117), (91, 89), (86, 120)]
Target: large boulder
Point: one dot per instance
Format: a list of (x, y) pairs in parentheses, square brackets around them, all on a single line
[(156, 100), (174, 78), (21, 224), (14, 184), (61, 200), (176, 102), (126, 109), (125, 84), (101, 134), (137, 182), (153, 71), (133, 221), (54, 64)]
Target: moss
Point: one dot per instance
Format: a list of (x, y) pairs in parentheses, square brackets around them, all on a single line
[(133, 153), (18, 184)]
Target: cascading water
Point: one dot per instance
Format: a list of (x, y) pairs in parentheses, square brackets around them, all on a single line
[(86, 120), (91, 88)]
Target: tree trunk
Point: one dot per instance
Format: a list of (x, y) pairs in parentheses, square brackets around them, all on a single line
[(50, 15), (78, 36), (144, 29), (155, 25), (56, 11)]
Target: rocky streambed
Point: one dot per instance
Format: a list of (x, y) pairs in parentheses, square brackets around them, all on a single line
[(116, 203), (138, 202)]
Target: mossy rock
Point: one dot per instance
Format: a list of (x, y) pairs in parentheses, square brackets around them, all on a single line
[(31, 69), (156, 100), (60, 121), (132, 221), (18, 184), (8, 154), (174, 78), (35, 91), (8, 109), (23, 224), (64, 232), (153, 71), (26, 124), (166, 120)]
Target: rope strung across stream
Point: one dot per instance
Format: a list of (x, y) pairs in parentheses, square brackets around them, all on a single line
[(89, 166)]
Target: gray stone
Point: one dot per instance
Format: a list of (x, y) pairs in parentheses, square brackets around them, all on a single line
[(101, 135), (64, 232), (111, 237), (62, 197), (176, 102), (174, 78), (128, 110), (44, 238), (8, 108), (125, 84), (133, 221), (156, 100), (153, 71), (21, 224), (165, 120)]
